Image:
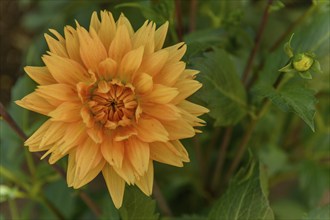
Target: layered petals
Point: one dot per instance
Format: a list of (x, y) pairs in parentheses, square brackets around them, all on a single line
[(116, 102)]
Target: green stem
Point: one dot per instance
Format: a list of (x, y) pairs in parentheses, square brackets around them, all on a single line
[(241, 150), (161, 201), (281, 80), (13, 209), (30, 163), (178, 15), (221, 158), (200, 158), (47, 203), (253, 53), (12, 178)]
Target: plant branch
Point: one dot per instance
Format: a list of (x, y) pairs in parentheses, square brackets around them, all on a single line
[(199, 157), (192, 18), (257, 41), (90, 204), (11, 122), (221, 158), (178, 15), (245, 140), (162, 204), (241, 150), (46, 202)]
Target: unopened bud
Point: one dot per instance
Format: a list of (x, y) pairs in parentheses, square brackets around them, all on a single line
[(302, 62)]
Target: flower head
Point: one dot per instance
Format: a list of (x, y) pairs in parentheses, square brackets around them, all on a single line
[(115, 101)]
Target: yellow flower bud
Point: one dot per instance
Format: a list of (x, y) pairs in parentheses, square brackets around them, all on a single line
[(302, 62)]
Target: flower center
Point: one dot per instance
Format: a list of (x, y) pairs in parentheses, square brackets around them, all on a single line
[(113, 104)]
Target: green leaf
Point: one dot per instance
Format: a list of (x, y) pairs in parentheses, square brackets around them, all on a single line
[(158, 12), (285, 209), (222, 89), (314, 181), (322, 213), (277, 5), (288, 68), (244, 199), (109, 210), (186, 217), (136, 205), (58, 190), (274, 158), (306, 75), (287, 47), (292, 97)]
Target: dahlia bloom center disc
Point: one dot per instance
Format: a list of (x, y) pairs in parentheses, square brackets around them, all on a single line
[(109, 104)]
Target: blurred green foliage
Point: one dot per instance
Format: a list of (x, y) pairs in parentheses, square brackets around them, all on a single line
[(290, 177)]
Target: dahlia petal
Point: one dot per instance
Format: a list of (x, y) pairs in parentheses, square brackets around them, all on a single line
[(165, 153), (170, 73), (58, 36), (113, 151), (74, 135), (143, 83), (123, 133), (92, 50), (142, 37), (53, 133), (126, 171), (193, 120), (56, 155), (107, 69), (86, 154), (145, 183), (71, 169), (161, 94), (65, 70), (115, 185), (87, 117), (154, 63), (37, 148), (138, 154), (122, 20), (167, 112), (150, 130), (36, 137), (186, 88), (181, 149), (107, 29), (36, 103), (103, 86), (96, 134), (160, 36), (95, 22), (178, 129), (62, 92), (121, 44), (130, 64), (176, 52), (189, 74), (56, 47), (193, 108), (67, 112), (72, 43), (40, 75), (89, 176)]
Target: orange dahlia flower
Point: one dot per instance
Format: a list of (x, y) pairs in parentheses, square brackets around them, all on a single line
[(116, 102)]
